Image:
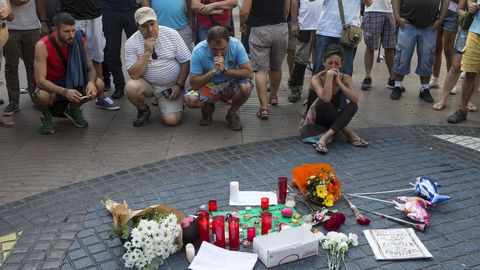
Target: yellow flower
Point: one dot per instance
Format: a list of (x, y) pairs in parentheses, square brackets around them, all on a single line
[(328, 201), (321, 191)]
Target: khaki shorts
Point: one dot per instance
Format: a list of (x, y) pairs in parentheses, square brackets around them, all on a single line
[(305, 49), (166, 105), (268, 46), (471, 54), (292, 40)]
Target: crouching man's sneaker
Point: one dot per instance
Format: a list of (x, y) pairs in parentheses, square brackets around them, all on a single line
[(142, 117), (107, 104), (77, 117), (46, 126), (457, 117)]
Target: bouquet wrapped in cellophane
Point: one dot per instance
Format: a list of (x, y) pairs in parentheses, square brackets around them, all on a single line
[(318, 182)]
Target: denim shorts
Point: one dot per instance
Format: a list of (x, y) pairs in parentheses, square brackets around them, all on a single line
[(450, 23), (460, 41), (424, 40)]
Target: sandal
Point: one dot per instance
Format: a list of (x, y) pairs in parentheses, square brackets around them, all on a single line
[(273, 101), (263, 114), (472, 108), (322, 149), (358, 142)]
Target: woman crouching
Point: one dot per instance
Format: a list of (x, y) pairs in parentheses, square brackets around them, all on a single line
[(335, 105)]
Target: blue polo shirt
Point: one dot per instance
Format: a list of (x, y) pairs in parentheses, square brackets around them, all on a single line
[(202, 59)]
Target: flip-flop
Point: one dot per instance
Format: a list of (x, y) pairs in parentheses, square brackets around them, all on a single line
[(438, 107), (358, 142), (322, 149), (472, 108)]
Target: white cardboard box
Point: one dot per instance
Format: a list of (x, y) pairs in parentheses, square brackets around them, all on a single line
[(285, 246)]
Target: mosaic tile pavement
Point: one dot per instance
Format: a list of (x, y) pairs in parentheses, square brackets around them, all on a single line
[(69, 228)]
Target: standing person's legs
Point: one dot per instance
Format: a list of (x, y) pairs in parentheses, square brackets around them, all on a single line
[(388, 43), (471, 66), (112, 29), (29, 40), (291, 47), (3, 39), (445, 41), (426, 55), (450, 82), (372, 29), (437, 65), (406, 41), (302, 57), (279, 46), (12, 52), (187, 36), (93, 30)]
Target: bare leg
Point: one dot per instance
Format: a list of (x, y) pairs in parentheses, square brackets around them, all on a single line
[(261, 78), (368, 60), (389, 60), (450, 81), (275, 79), (438, 54)]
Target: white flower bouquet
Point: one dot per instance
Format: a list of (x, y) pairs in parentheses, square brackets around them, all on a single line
[(336, 245), (149, 235)]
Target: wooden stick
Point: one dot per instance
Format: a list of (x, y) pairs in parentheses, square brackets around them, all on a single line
[(417, 226)]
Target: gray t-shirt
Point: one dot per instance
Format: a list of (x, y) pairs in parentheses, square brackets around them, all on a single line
[(25, 17)]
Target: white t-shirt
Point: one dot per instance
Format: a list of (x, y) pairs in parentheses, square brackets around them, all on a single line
[(171, 52), (330, 24), (309, 14), (380, 6)]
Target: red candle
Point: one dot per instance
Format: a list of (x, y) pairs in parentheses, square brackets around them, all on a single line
[(234, 233), (282, 189), (212, 206), (218, 224), (204, 225), (264, 203), (251, 232), (266, 222)]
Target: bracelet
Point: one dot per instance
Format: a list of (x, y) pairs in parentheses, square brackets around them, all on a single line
[(65, 91), (179, 85), (210, 74)]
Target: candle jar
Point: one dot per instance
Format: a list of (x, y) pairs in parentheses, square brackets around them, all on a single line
[(307, 222), (251, 233), (212, 206), (290, 201), (218, 225), (204, 225), (282, 189), (234, 233), (264, 203), (266, 222)]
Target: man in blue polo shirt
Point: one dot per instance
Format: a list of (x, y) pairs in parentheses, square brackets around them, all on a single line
[(219, 69)]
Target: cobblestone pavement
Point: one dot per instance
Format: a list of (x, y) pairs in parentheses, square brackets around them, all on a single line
[(68, 227)]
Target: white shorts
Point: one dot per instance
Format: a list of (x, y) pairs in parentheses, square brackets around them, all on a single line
[(166, 105), (93, 30)]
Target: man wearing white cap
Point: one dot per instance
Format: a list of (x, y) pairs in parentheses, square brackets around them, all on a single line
[(158, 62)]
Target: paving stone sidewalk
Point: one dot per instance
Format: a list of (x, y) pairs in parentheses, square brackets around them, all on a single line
[(68, 228)]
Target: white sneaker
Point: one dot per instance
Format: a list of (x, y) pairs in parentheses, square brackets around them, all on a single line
[(462, 75), (24, 89), (433, 83), (454, 91)]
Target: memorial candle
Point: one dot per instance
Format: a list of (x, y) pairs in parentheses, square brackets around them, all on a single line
[(204, 225), (212, 206), (234, 233), (251, 232), (282, 189), (266, 222), (264, 203), (218, 224)]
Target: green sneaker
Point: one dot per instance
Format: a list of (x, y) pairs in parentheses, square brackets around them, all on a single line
[(76, 116), (47, 125)]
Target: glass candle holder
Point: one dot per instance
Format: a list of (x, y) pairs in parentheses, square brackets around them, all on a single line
[(251, 233), (307, 221), (264, 202), (282, 189), (234, 233), (266, 222), (290, 201), (218, 225), (204, 225), (212, 206)]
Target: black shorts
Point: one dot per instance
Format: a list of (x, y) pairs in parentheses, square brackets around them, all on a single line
[(60, 103)]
